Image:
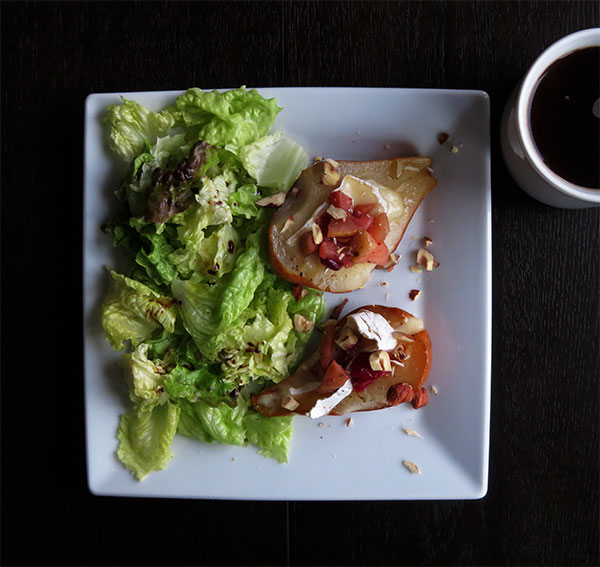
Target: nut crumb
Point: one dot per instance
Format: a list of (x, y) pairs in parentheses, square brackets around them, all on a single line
[(387, 296), (426, 260), (415, 269), (320, 424), (302, 324), (383, 284), (427, 241), (288, 222), (332, 162), (318, 158), (289, 403), (349, 422), (414, 293), (443, 137), (336, 212), (276, 200), (454, 149), (317, 233), (412, 467), (434, 390), (412, 432), (233, 458)]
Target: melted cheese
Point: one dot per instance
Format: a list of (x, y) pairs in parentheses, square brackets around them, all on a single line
[(366, 192)]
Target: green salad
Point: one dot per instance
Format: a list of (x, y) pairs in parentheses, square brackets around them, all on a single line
[(202, 319)]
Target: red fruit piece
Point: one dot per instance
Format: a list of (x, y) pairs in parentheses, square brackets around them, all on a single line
[(341, 228), (363, 209), (380, 227), (335, 377), (367, 249), (341, 200), (361, 372), (307, 244)]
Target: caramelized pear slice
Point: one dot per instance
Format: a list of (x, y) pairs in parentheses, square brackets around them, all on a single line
[(411, 362), (394, 186)]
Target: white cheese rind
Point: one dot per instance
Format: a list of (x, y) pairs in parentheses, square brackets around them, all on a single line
[(375, 327), (324, 406)]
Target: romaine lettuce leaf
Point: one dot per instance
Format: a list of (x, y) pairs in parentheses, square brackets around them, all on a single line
[(145, 438), (131, 311), (147, 377), (274, 160), (271, 434), (131, 125)]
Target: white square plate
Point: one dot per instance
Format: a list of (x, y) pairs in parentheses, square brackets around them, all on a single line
[(327, 460)]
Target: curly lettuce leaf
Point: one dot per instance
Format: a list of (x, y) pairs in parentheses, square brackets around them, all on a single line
[(132, 311), (271, 434), (230, 119), (131, 125)]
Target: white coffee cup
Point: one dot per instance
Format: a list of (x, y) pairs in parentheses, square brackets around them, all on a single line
[(520, 153)]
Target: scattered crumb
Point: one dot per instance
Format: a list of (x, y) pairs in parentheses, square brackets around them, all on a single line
[(443, 137), (320, 424), (349, 422), (414, 293), (434, 390), (430, 169), (334, 455), (454, 149), (427, 241), (318, 158), (233, 458), (412, 467), (383, 284), (387, 296), (412, 432), (415, 269), (431, 220)]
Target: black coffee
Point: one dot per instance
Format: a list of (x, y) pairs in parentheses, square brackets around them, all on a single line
[(565, 129)]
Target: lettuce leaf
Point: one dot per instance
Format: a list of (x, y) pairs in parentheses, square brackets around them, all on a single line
[(145, 437), (230, 119), (236, 426), (131, 126), (275, 161), (132, 311)]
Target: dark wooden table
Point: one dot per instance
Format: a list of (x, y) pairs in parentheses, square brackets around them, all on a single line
[(542, 504)]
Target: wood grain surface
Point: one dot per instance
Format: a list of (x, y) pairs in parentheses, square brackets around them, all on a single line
[(542, 504)]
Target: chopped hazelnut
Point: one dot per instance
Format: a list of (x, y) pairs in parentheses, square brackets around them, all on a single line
[(346, 339), (427, 241), (317, 234), (380, 360), (411, 168), (425, 259), (289, 403), (331, 176), (332, 163), (415, 269), (414, 293), (288, 222), (302, 324), (336, 212), (276, 200), (454, 149)]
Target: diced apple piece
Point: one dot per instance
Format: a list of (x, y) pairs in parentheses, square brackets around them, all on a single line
[(380, 227), (335, 377), (341, 200)]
